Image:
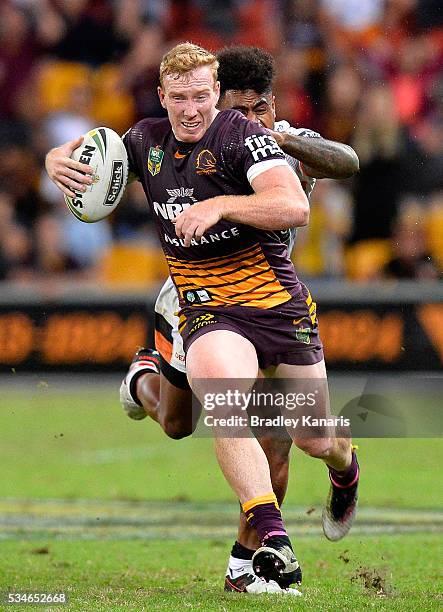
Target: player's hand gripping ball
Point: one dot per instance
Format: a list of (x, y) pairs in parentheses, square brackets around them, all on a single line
[(104, 151)]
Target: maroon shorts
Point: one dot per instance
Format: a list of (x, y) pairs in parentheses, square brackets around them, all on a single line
[(285, 334)]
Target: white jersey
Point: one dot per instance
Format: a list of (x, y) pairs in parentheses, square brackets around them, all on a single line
[(166, 305), (307, 182)]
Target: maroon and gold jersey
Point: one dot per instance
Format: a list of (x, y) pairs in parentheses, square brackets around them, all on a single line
[(232, 264)]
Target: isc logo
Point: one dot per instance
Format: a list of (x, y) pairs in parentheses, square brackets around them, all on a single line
[(170, 211)]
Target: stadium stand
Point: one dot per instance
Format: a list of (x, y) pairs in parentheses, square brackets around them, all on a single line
[(372, 78)]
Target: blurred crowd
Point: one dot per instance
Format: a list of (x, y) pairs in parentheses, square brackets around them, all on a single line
[(365, 72)]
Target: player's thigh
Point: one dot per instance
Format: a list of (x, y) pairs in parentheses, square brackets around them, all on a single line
[(315, 370), (219, 363), (310, 381), (221, 354)]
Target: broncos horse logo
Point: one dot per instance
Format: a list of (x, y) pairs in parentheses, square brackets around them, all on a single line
[(206, 162)]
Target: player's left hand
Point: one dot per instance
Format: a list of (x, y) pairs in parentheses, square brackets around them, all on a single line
[(193, 222)]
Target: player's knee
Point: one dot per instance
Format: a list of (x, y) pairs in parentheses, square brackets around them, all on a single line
[(176, 429), (320, 448)]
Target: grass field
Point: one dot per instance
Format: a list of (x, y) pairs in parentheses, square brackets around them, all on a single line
[(120, 517)]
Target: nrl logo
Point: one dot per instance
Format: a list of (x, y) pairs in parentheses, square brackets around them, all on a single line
[(172, 208), (303, 335), (181, 192), (155, 158)]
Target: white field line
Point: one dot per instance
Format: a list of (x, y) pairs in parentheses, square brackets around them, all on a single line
[(108, 519)]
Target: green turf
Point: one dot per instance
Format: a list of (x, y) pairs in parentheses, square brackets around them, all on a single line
[(382, 573), (82, 445), (111, 555)]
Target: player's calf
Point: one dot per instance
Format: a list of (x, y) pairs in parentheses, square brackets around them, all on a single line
[(275, 559)]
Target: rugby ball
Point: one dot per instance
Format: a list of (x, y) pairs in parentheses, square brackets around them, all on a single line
[(104, 151)]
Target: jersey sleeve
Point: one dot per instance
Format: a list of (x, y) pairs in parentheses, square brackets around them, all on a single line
[(132, 140), (256, 151)]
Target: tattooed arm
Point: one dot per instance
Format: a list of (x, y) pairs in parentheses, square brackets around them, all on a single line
[(321, 158)]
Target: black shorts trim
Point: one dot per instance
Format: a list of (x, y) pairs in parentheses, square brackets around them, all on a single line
[(175, 377), (162, 326)]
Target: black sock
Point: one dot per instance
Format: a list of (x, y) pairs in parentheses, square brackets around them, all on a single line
[(241, 552)]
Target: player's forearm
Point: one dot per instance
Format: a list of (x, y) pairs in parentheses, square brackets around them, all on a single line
[(322, 158), (275, 209)]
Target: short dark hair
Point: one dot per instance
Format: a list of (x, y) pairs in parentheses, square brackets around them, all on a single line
[(244, 68)]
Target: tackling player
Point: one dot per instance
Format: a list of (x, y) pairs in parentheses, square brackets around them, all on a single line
[(253, 313)]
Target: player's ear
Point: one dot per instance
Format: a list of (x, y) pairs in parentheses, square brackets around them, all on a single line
[(217, 91), (273, 106), (161, 95)]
